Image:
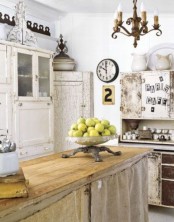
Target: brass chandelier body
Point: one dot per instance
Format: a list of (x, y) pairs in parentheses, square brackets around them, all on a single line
[(139, 25)]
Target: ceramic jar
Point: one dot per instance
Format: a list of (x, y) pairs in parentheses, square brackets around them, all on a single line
[(9, 164), (139, 62)]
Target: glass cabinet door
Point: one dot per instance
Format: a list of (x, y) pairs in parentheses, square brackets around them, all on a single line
[(44, 76), (25, 86)]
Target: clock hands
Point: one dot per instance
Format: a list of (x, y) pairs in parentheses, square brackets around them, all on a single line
[(103, 68), (106, 66)]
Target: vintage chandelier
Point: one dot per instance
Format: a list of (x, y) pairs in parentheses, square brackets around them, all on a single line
[(139, 24)]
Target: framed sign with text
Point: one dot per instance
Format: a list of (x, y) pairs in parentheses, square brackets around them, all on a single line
[(108, 95)]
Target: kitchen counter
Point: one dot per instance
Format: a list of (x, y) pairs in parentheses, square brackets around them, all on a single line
[(54, 181)]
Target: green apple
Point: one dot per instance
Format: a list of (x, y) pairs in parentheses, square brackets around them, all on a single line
[(106, 123), (81, 120), (93, 133), (82, 127), (90, 122), (96, 120), (99, 127), (74, 126), (70, 132), (86, 134), (112, 129), (77, 133), (106, 132), (90, 128)]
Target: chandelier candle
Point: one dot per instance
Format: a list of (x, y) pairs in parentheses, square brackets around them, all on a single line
[(139, 24), (143, 12), (156, 17)]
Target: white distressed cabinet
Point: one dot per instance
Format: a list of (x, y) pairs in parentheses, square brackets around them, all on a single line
[(147, 108), (26, 91), (148, 98), (73, 98)]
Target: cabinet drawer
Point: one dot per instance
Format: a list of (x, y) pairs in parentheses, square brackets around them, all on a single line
[(168, 193), (168, 172), (168, 158)]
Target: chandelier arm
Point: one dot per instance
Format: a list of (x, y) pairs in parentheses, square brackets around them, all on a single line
[(159, 32), (128, 33), (114, 34)]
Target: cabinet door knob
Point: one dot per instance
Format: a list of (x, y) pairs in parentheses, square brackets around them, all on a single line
[(20, 104), (143, 108)]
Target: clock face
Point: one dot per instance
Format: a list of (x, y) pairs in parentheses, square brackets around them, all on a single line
[(107, 70)]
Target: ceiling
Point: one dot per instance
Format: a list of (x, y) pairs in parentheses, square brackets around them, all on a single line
[(105, 6)]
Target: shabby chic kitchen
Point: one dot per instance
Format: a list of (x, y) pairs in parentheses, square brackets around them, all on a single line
[(54, 69)]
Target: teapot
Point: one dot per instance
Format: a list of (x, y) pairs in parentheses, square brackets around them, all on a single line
[(163, 62), (139, 62), (7, 146)]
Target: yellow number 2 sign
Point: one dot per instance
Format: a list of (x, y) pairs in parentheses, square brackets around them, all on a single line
[(108, 95)]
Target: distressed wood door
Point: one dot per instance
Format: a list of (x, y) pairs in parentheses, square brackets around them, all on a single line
[(154, 178), (131, 95), (73, 98), (68, 107), (156, 94)]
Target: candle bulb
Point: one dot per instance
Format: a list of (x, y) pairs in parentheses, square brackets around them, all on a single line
[(115, 14), (156, 17), (119, 10), (143, 12)]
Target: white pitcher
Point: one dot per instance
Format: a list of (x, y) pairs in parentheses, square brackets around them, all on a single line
[(139, 62), (163, 62)]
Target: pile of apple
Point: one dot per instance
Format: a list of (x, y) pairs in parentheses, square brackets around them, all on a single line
[(91, 127)]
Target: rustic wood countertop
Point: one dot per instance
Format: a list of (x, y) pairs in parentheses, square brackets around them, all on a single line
[(52, 177)]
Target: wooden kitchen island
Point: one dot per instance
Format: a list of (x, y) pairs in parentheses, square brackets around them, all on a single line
[(78, 189)]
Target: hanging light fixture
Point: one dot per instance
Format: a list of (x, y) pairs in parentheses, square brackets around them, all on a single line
[(139, 24)]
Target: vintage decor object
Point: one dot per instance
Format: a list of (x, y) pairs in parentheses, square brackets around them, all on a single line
[(164, 62), (20, 33), (35, 27), (161, 49), (89, 143), (145, 134), (139, 24), (139, 62), (61, 61), (108, 95), (107, 70)]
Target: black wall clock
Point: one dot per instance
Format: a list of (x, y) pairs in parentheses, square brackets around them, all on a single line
[(107, 70)]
